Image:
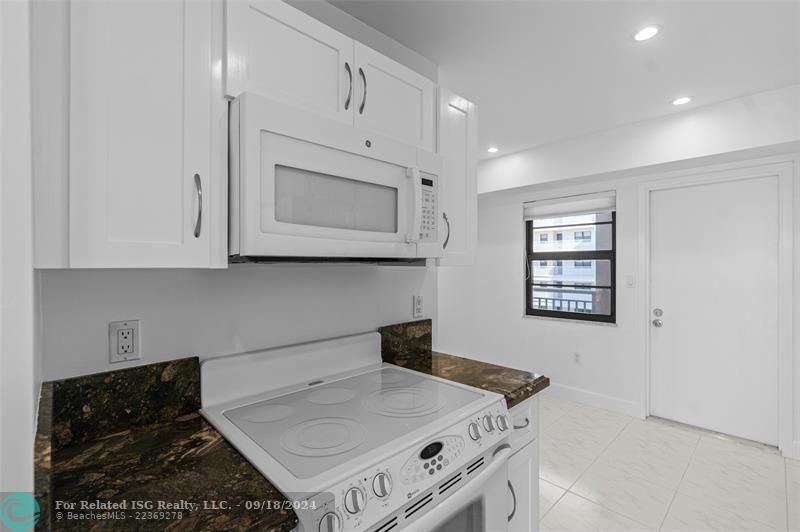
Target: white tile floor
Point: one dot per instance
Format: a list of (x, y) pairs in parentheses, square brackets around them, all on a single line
[(602, 471)]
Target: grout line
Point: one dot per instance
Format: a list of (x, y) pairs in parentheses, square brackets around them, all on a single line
[(599, 455), (564, 492), (675, 491), (721, 505), (647, 527), (722, 508), (569, 490), (541, 433)]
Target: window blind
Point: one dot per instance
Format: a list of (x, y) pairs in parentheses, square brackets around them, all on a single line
[(582, 204)]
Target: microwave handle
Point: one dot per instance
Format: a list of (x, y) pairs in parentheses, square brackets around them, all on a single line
[(416, 216)]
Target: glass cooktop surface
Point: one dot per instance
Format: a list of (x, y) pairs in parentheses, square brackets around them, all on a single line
[(312, 431)]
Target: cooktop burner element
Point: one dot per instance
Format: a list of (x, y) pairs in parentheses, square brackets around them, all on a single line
[(323, 437), (330, 396), (404, 402)]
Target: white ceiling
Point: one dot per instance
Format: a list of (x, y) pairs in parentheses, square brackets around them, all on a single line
[(547, 71)]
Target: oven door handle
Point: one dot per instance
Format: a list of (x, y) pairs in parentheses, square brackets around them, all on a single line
[(450, 506), (416, 215)]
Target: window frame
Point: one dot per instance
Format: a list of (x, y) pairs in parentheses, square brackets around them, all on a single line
[(609, 255)]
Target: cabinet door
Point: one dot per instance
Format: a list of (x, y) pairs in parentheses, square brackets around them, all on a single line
[(523, 489), (140, 130), (280, 52), (458, 147), (393, 100)]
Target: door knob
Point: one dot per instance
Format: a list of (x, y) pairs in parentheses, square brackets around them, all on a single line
[(657, 312), (657, 323)]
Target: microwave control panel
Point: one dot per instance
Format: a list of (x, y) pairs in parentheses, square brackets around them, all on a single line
[(428, 229)]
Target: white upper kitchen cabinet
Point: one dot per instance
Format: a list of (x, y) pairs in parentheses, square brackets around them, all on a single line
[(280, 52), (142, 118), (458, 147), (393, 100)]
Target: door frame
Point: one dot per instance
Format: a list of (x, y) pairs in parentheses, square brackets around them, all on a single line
[(783, 170)]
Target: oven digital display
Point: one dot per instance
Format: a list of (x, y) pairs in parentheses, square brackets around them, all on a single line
[(431, 450), (427, 182)]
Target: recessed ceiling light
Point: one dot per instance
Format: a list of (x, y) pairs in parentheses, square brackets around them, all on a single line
[(646, 33), (493, 149), (681, 101)]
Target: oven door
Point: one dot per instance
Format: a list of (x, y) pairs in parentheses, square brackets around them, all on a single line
[(306, 186), (480, 506)]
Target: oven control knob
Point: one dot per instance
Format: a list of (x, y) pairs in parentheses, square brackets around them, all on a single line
[(488, 423), (502, 423), (474, 431), (382, 485), (354, 500), (330, 523)]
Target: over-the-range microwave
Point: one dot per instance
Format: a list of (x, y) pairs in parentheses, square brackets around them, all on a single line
[(302, 185)]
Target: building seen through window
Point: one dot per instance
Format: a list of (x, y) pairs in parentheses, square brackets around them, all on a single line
[(571, 266)]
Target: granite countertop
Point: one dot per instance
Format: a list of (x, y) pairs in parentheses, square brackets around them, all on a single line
[(183, 460), (103, 447), (136, 435), (516, 385), (409, 345)]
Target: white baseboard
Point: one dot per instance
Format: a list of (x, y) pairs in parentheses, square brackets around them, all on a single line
[(607, 402), (623, 406)]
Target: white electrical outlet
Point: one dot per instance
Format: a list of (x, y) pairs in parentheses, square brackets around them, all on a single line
[(124, 341), (417, 301)]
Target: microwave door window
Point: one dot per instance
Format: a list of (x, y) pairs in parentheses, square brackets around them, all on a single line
[(311, 198)]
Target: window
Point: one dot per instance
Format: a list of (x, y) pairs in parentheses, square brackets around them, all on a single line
[(542, 237), (586, 290)]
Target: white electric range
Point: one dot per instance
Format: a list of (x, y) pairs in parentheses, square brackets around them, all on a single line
[(359, 445)]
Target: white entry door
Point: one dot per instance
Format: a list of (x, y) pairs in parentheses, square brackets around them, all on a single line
[(714, 252)]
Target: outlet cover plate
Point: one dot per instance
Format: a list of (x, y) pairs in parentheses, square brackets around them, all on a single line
[(124, 341), (418, 311)]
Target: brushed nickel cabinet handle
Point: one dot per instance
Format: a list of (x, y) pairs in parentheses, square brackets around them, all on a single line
[(198, 186), (363, 98), (514, 497), (350, 87), (447, 238)]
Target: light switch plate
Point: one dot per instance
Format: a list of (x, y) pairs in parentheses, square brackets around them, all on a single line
[(124, 341)]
